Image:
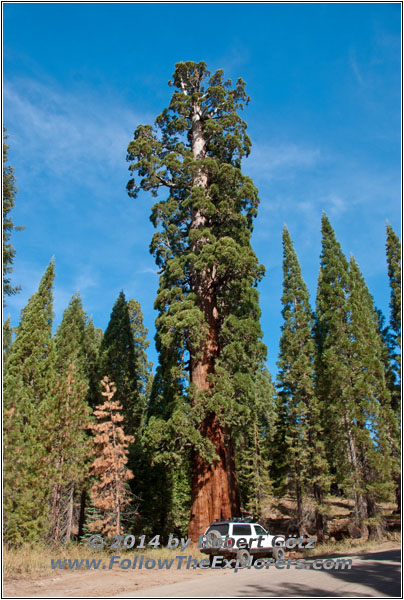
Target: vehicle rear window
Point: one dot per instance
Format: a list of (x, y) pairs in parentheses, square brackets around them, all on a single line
[(222, 528), (241, 529)]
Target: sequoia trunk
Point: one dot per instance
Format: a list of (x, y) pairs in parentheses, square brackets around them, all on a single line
[(211, 494), (214, 492)]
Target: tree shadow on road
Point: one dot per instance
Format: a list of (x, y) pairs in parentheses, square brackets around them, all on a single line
[(376, 572), (373, 570), (291, 590)]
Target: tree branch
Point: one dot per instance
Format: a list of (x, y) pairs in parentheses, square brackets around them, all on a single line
[(169, 184)]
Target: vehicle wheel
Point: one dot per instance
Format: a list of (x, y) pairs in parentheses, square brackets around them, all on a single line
[(243, 557), (211, 538), (278, 553)]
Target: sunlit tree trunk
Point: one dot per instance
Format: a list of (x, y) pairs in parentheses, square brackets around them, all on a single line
[(213, 493)]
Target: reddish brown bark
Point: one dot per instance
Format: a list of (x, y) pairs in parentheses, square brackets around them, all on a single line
[(214, 491), (212, 496)]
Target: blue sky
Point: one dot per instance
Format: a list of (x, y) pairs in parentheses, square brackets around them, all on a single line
[(324, 121)]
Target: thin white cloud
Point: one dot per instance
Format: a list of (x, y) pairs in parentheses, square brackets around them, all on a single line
[(355, 68), (71, 134), (334, 205), (148, 271), (279, 160)]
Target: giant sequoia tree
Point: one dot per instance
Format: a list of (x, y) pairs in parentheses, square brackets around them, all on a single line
[(208, 332)]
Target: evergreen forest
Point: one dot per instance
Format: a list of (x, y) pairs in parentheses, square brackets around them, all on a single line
[(98, 440)]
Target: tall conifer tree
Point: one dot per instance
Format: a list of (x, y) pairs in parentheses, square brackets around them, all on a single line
[(7, 338), (68, 420), (393, 249), (9, 195), (208, 332), (303, 436), (28, 380), (92, 343), (393, 362), (117, 360), (141, 343), (254, 446), (368, 405), (351, 383), (331, 332)]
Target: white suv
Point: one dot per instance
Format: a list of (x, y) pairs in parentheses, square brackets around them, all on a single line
[(240, 539)]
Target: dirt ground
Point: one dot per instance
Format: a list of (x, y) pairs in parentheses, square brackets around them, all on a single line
[(99, 584), (107, 583), (96, 584)]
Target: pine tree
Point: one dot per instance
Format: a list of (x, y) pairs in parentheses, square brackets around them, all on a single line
[(392, 361), (394, 422), (303, 433), (109, 493), (7, 338), (351, 383), (9, 195), (117, 360), (393, 249), (368, 402), (331, 335), (208, 333), (68, 420), (162, 472), (254, 447), (92, 343), (279, 470), (28, 379), (141, 343), (140, 457)]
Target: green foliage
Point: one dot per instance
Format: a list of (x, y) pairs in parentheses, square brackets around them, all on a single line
[(393, 249), (351, 380), (9, 195), (332, 338), (203, 249), (91, 344), (391, 355), (92, 515), (68, 417), (300, 433), (122, 357), (141, 343), (7, 338), (254, 446), (117, 360), (28, 378)]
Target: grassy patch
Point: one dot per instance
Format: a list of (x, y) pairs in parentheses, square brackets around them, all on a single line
[(354, 546), (35, 561)]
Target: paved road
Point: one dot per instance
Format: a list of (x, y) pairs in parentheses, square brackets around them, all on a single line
[(376, 574)]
